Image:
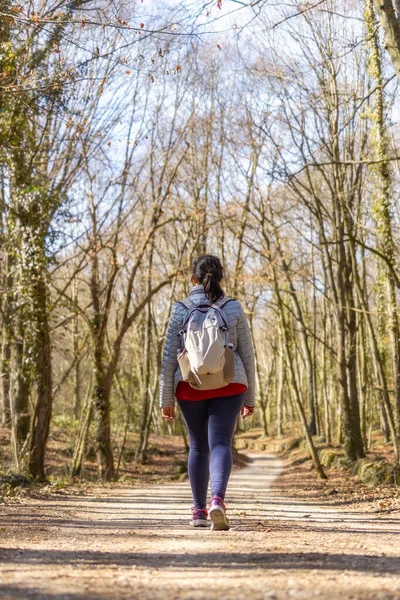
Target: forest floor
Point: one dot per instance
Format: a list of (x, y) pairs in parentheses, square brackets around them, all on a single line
[(291, 537)]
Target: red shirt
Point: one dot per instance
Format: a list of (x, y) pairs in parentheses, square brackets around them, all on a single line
[(184, 391)]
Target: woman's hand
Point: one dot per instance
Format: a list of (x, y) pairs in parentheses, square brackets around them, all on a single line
[(247, 411), (168, 413)]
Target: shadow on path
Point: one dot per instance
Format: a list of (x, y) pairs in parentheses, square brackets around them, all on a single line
[(209, 560)]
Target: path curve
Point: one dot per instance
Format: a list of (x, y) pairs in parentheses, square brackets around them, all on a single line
[(128, 543)]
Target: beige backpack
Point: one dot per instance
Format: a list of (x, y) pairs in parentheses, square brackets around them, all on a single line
[(206, 358)]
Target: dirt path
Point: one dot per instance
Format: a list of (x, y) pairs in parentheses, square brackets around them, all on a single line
[(136, 543)]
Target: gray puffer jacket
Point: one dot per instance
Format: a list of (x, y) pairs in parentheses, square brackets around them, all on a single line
[(240, 337)]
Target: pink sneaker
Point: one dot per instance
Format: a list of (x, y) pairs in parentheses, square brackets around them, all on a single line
[(218, 514), (199, 517)]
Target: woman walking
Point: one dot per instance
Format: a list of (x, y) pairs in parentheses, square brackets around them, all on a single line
[(205, 317)]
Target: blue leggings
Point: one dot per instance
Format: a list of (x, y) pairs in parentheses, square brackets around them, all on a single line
[(210, 424)]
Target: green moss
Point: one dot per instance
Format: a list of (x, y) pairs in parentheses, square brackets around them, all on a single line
[(292, 444), (328, 457), (180, 470), (376, 472), (369, 471)]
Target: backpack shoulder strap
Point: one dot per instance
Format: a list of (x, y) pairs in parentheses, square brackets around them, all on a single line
[(225, 302), (187, 303), (192, 307), (220, 308)]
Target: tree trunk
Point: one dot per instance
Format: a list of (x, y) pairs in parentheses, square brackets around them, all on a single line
[(382, 204), (279, 392), (6, 346), (77, 365), (42, 413), (101, 401), (391, 27), (352, 366), (84, 427), (147, 406), (326, 372), (352, 442), (21, 387), (377, 361)]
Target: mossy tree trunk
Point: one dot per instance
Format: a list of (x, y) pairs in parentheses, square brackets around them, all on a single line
[(382, 209)]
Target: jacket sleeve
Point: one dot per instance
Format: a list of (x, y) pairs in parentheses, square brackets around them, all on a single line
[(246, 353), (169, 360)]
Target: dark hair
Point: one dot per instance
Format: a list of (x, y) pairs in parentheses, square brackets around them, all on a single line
[(208, 270)]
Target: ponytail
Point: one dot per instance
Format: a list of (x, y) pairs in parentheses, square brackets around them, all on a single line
[(209, 271), (212, 288)]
